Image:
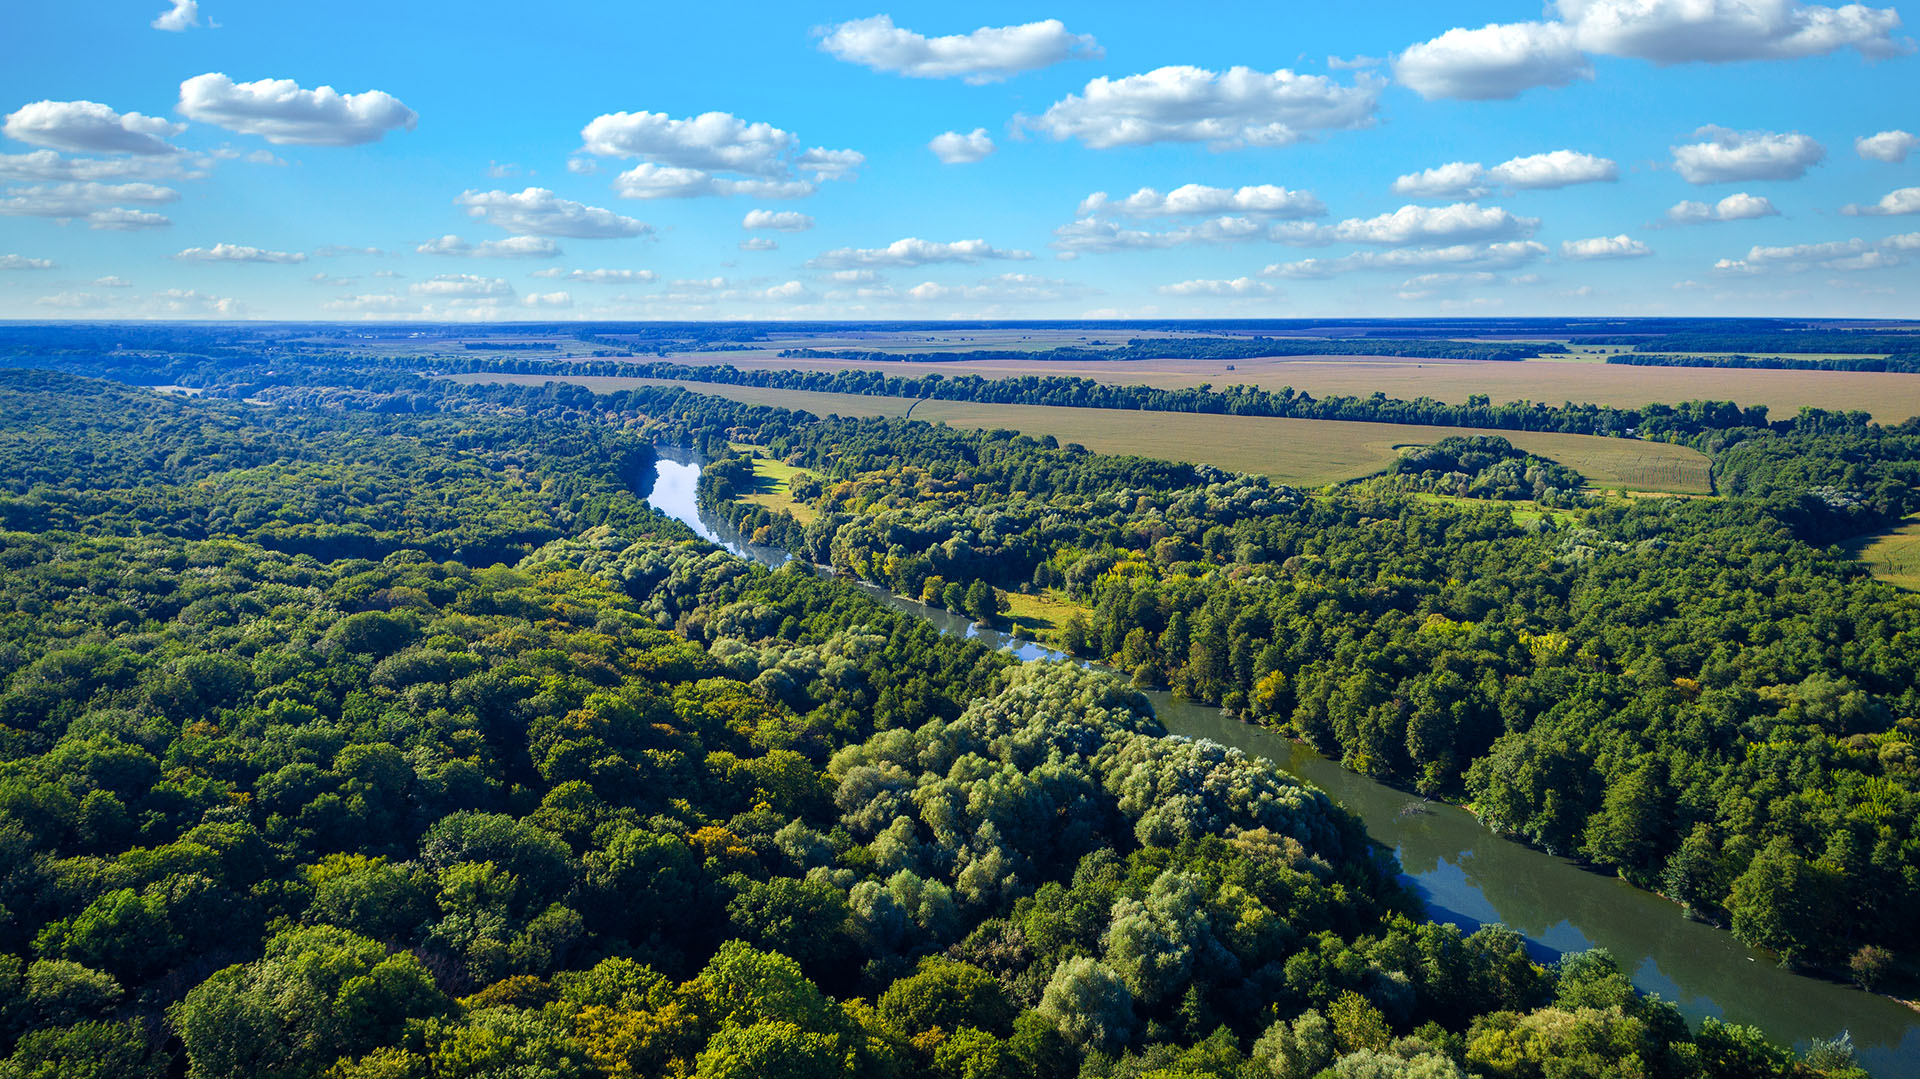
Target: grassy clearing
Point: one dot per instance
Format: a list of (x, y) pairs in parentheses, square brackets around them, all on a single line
[(1040, 615), (1893, 556), (775, 479), (1303, 452)]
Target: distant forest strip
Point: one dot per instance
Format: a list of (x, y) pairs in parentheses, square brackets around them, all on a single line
[(1674, 423), (1733, 341), (1209, 348), (1896, 363)]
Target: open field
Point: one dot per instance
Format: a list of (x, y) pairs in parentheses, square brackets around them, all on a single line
[(1305, 452), (1040, 615), (775, 479), (1893, 556), (1582, 378)]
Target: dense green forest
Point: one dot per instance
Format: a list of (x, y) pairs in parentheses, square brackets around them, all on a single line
[(501, 775), (1700, 694)]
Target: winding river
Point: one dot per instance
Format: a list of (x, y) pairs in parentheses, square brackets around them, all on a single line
[(1469, 876)]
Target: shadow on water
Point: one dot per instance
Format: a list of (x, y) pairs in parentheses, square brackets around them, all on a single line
[(1468, 876)]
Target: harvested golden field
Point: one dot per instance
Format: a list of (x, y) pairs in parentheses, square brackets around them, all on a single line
[(1888, 397), (1314, 452), (1307, 452)]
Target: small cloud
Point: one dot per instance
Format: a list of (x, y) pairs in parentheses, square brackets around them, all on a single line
[(540, 212), (915, 252), (988, 54), (183, 15), (224, 252), (1729, 156), (1735, 207), (513, 247), (1905, 200), (1605, 247), (90, 127), (1239, 286), (500, 172), (1889, 146), (599, 277), (112, 281), (957, 149), (71, 300), (760, 243), (463, 285), (279, 111), (777, 220), (22, 262)]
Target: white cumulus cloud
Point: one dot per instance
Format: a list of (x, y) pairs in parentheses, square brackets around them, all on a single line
[(540, 212), (988, 54), (1470, 179), (47, 165), (1736, 207), (600, 277), (1718, 31), (120, 219), (181, 16), (1889, 146), (1237, 107), (1262, 199), (777, 220), (915, 252), (1851, 255), (1558, 168), (1605, 247), (1094, 234), (22, 262), (225, 252), (463, 285), (681, 158), (759, 243), (1495, 62), (957, 149), (1730, 156), (1503, 59), (90, 127), (1495, 256), (279, 111), (1453, 180), (1460, 222), (95, 203), (1239, 286), (1905, 200), (513, 247)]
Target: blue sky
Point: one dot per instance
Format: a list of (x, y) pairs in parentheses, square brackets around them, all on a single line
[(494, 161)]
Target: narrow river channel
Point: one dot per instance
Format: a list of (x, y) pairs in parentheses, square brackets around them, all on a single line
[(1470, 876)]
